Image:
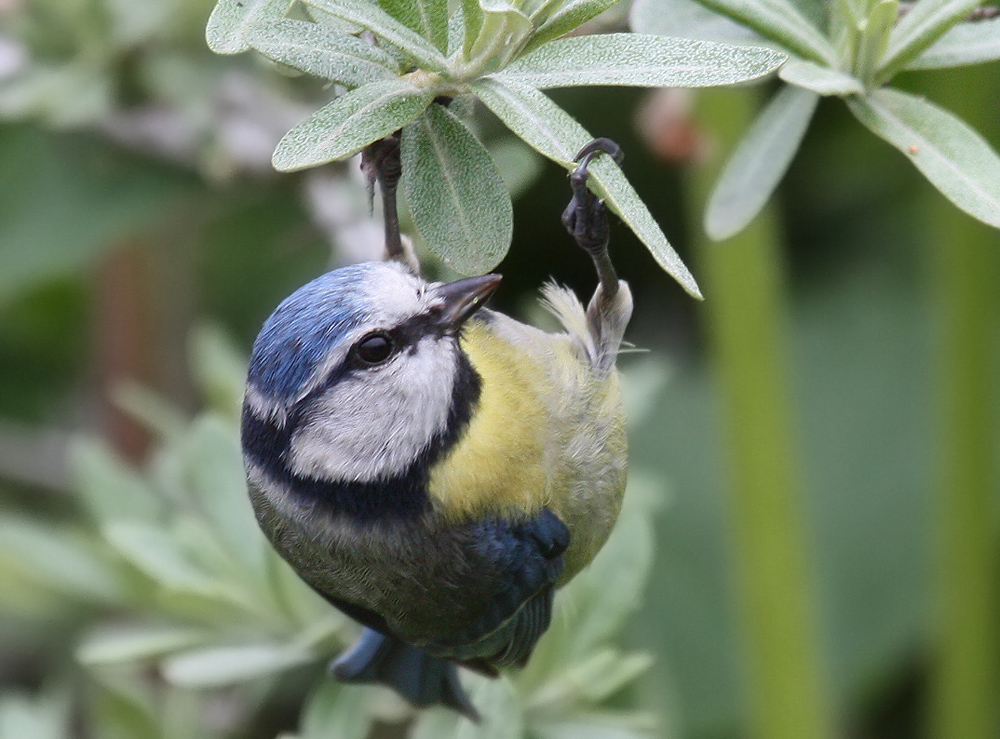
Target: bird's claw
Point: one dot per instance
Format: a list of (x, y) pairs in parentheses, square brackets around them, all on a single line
[(586, 216)]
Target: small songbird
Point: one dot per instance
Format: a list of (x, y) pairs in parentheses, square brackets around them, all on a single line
[(435, 469)]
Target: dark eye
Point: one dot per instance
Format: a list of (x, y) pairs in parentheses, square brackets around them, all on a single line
[(374, 349)]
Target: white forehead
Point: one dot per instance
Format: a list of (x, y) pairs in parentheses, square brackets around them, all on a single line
[(393, 295)]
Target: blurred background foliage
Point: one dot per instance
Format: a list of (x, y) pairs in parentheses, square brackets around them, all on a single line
[(143, 238)]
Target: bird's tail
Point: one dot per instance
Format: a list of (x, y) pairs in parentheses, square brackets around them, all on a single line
[(421, 678)]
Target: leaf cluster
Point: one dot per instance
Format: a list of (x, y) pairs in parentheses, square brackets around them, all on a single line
[(849, 49), (403, 64)]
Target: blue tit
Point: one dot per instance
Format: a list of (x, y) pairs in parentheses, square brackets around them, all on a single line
[(433, 468)]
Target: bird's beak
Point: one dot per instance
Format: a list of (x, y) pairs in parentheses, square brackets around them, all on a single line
[(462, 298)]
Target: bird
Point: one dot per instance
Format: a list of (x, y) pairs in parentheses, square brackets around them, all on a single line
[(436, 469)]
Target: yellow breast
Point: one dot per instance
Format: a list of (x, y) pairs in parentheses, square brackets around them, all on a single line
[(498, 464)]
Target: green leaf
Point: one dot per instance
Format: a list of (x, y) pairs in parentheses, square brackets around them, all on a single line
[(549, 130), (781, 21), (923, 24), (109, 488), (759, 162), (874, 38), (640, 61), (383, 25), (350, 123), (955, 158), (56, 557), (458, 199), (501, 711), (570, 15), (962, 44), (155, 552), (429, 18), (231, 18), (821, 80), (501, 37), (472, 14), (219, 369), (687, 19), (214, 465), (222, 666), (322, 51), (120, 644), (336, 710)]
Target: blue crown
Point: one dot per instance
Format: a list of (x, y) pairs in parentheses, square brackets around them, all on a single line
[(305, 326)]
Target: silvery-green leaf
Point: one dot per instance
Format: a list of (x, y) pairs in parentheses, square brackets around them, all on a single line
[(759, 162), (457, 197), (962, 44), (687, 19), (429, 18), (923, 24), (335, 710), (56, 557), (214, 667), (552, 132), (350, 123), (500, 708), (874, 38), (322, 51), (955, 158), (230, 19), (820, 79), (591, 726), (371, 16), (155, 552), (500, 37), (781, 21), (109, 489), (121, 644), (569, 15), (214, 464), (639, 60), (219, 368)]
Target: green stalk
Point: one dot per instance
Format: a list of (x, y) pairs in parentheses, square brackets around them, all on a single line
[(966, 261), (745, 312)]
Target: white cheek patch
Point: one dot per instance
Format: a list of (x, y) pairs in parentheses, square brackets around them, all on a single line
[(373, 425)]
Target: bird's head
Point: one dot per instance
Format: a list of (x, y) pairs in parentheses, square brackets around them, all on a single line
[(359, 374)]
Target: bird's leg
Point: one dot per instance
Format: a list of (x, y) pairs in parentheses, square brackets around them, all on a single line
[(586, 217), (380, 162)]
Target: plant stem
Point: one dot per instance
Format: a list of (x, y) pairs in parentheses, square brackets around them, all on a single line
[(746, 326), (966, 265)]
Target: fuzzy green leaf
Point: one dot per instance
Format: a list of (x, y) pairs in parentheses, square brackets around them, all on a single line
[(549, 130), (350, 123), (821, 80), (955, 158), (371, 16), (569, 15), (214, 465), (640, 61), (781, 21), (109, 488), (120, 644), (215, 667), (503, 30), (156, 552), (472, 15), (429, 18), (458, 199), (874, 38), (963, 44), (923, 24), (335, 710), (687, 19), (231, 18), (322, 51), (759, 162)]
